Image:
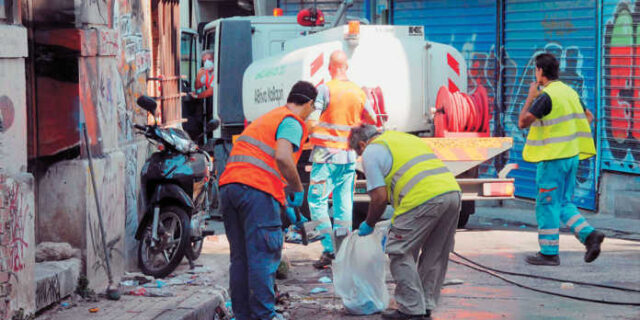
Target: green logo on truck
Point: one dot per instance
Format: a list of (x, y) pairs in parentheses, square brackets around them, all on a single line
[(271, 72)]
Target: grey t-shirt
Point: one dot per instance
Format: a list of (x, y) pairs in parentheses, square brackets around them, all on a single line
[(377, 162)]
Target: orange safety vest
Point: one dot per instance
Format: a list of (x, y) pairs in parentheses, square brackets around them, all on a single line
[(346, 103), (252, 161)]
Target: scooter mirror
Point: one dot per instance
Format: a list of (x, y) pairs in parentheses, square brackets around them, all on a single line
[(147, 103), (212, 125)]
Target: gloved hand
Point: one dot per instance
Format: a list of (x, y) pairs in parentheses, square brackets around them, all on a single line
[(364, 229), (295, 199)]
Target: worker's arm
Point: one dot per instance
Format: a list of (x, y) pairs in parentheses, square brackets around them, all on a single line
[(284, 160), (590, 116), (321, 103), (526, 118), (377, 206), (376, 162)]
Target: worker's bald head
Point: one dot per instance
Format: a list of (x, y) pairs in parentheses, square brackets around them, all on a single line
[(338, 65)]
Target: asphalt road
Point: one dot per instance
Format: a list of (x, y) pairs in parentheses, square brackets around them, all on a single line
[(501, 244)]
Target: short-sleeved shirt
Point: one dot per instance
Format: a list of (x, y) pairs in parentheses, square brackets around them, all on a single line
[(290, 129), (325, 154), (541, 106), (377, 162)]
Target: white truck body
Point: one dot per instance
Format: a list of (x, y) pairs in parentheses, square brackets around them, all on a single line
[(408, 69)]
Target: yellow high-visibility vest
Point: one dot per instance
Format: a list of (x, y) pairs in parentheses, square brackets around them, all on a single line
[(564, 132), (417, 175)]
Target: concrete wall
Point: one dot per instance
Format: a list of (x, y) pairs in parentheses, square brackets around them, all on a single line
[(99, 58), (620, 195), (17, 210)]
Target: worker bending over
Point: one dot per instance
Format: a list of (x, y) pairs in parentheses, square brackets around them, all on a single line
[(403, 170), (559, 137), (262, 161)]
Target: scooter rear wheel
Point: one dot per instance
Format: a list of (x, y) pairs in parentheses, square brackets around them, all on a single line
[(173, 238)]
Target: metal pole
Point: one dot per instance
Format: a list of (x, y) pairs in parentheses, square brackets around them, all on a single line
[(95, 194)]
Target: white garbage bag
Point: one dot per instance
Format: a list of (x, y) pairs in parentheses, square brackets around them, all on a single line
[(359, 273)]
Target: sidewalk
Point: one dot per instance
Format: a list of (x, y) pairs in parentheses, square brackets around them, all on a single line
[(522, 212), (197, 299)]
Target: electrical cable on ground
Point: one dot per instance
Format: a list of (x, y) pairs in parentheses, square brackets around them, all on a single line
[(544, 277), (494, 274)]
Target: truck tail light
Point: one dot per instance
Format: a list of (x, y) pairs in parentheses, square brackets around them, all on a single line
[(498, 189)]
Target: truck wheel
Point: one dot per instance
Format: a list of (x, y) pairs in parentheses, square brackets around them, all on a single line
[(468, 208)]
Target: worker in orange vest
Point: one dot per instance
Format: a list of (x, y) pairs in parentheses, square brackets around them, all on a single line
[(341, 104), (204, 78), (262, 162)]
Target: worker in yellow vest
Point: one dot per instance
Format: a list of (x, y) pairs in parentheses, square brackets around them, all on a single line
[(403, 170), (559, 137)]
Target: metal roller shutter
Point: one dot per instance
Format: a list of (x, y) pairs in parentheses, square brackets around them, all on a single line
[(468, 26), (567, 29), (620, 114)]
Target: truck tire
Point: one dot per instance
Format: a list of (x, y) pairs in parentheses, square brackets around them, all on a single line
[(468, 208)]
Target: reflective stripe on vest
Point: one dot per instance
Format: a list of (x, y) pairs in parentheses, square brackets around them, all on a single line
[(252, 160), (333, 126), (256, 162), (329, 137), (564, 132), (346, 104), (558, 139), (542, 123), (259, 144), (405, 167), (416, 175)]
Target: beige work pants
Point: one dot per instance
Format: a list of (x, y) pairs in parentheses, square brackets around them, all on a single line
[(419, 244)]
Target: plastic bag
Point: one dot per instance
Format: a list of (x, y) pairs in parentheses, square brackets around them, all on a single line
[(359, 273)]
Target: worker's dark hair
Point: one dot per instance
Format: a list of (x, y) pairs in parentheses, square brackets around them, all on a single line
[(363, 132), (549, 65), (302, 92)]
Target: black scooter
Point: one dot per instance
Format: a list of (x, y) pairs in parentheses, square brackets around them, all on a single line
[(177, 186)]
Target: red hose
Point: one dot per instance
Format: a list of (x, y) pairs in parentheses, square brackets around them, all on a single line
[(459, 112)]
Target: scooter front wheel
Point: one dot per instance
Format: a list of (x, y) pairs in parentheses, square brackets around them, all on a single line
[(159, 258)]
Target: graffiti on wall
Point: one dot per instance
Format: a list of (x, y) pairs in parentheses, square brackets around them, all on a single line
[(47, 291), (622, 88), (516, 78), (14, 214)]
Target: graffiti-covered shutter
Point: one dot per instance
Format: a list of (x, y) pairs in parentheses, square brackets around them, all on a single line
[(568, 30), (620, 114), (468, 26), (328, 7)]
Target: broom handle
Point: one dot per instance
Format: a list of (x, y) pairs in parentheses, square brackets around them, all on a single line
[(95, 194)]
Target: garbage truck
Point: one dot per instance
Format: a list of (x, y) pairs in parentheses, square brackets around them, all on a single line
[(414, 85)]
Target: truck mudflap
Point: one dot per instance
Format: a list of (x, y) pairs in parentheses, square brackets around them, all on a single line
[(461, 154)]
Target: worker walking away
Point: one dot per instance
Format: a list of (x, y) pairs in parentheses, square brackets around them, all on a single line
[(559, 137), (262, 161), (403, 170), (341, 104)]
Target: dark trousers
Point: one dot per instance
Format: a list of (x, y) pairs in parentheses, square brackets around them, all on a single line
[(253, 227)]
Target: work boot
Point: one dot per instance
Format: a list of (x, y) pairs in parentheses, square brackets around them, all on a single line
[(399, 315), (540, 259), (592, 243), (325, 260)]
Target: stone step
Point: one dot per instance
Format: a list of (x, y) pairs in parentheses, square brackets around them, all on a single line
[(55, 280)]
